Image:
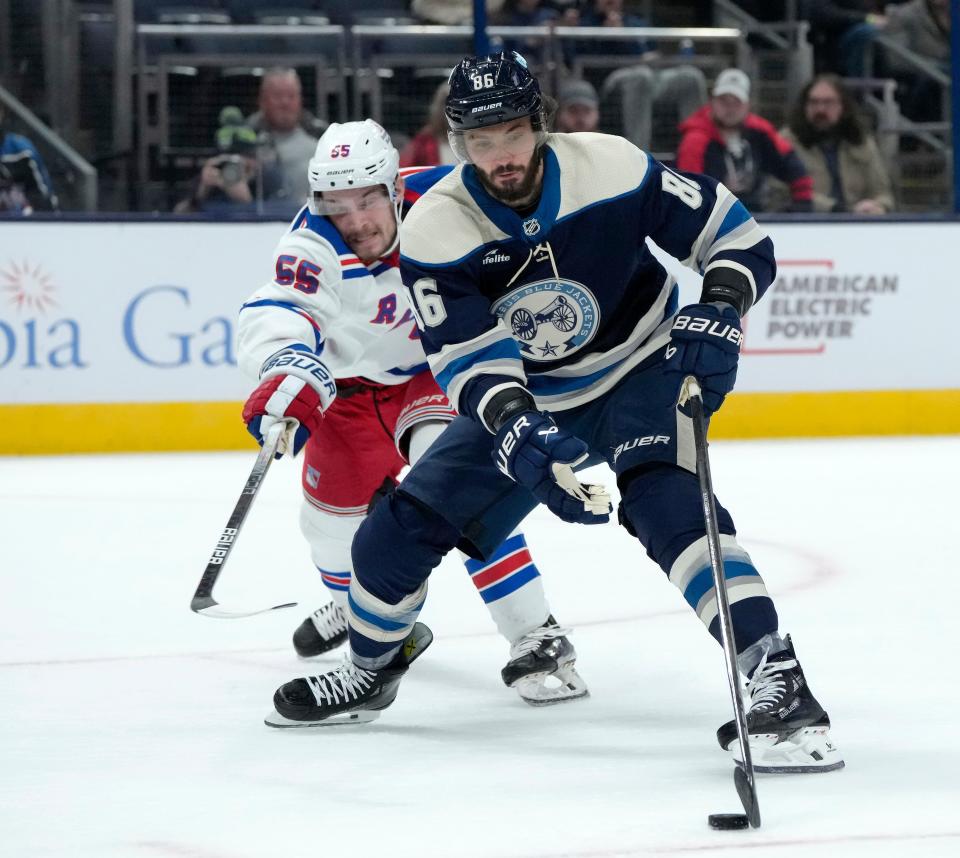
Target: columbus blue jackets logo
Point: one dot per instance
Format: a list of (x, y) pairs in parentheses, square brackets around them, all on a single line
[(550, 319)]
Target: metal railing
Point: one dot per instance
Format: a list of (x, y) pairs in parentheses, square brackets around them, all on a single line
[(730, 43), (357, 67), (240, 47), (935, 134), (377, 49), (791, 36)]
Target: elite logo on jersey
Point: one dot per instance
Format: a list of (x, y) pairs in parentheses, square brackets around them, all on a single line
[(550, 319), (495, 255)]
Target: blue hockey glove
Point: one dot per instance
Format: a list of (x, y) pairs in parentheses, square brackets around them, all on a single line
[(533, 451), (705, 343)]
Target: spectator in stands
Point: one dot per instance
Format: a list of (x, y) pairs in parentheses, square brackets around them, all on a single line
[(536, 13), (578, 106), (639, 90), (829, 134), (609, 13), (228, 182), (288, 134), (450, 12), (842, 32), (25, 184), (429, 146), (921, 26), (728, 142), (635, 91)]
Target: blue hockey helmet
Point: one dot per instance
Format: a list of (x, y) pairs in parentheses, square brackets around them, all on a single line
[(492, 89), (489, 90)]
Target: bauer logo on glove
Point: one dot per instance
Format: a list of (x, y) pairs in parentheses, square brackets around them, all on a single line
[(533, 451), (296, 389), (292, 363), (705, 342), (699, 324)]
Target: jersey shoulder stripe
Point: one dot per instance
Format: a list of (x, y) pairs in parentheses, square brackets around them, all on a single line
[(293, 308), (306, 221), (616, 167), (446, 225), (418, 180), (315, 238)]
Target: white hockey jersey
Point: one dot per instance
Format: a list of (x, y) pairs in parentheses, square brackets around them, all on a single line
[(356, 318)]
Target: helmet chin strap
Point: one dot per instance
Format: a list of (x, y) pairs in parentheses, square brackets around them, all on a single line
[(396, 235)]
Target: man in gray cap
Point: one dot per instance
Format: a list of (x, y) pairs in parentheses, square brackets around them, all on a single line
[(578, 106)]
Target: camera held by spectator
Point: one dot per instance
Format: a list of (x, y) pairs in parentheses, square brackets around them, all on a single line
[(229, 181)]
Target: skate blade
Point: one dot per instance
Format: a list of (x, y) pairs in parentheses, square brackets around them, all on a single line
[(539, 690), (809, 750), (540, 675), (345, 719), (315, 656)]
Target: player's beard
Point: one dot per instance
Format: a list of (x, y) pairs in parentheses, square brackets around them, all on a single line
[(518, 191)]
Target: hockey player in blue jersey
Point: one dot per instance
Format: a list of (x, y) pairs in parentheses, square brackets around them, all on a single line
[(556, 334)]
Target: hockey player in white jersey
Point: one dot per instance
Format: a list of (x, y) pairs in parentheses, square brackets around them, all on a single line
[(336, 352)]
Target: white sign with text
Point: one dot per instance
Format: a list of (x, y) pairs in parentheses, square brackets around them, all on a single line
[(146, 312)]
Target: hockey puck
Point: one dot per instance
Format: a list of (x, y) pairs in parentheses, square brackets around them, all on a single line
[(728, 821)]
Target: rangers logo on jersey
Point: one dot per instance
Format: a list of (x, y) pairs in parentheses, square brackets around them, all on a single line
[(550, 319)]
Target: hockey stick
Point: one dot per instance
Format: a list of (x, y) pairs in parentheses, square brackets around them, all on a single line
[(203, 601), (743, 778)]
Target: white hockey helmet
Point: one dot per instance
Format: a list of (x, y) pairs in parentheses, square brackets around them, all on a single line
[(353, 155)]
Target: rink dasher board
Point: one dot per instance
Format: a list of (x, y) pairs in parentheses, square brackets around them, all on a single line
[(120, 336)]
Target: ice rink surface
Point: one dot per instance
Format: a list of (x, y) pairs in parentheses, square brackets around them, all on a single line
[(132, 727)]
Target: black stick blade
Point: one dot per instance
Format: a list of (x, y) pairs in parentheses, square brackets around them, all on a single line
[(748, 796)]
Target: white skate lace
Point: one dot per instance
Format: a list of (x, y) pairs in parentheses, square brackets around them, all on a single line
[(329, 621), (532, 640), (767, 685), (346, 683)]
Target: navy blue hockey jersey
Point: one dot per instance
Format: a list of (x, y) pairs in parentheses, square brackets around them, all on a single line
[(568, 299)]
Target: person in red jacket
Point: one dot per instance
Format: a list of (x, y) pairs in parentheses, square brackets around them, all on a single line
[(726, 141), (429, 147)]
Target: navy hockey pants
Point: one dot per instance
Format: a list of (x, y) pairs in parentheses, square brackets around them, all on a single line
[(455, 496)]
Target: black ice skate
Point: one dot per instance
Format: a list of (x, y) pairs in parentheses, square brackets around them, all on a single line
[(789, 730), (325, 629), (541, 666), (349, 694)]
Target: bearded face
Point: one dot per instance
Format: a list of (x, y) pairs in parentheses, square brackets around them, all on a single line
[(823, 107), (507, 160)]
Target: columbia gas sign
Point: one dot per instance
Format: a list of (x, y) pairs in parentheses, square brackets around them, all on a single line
[(126, 312)]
